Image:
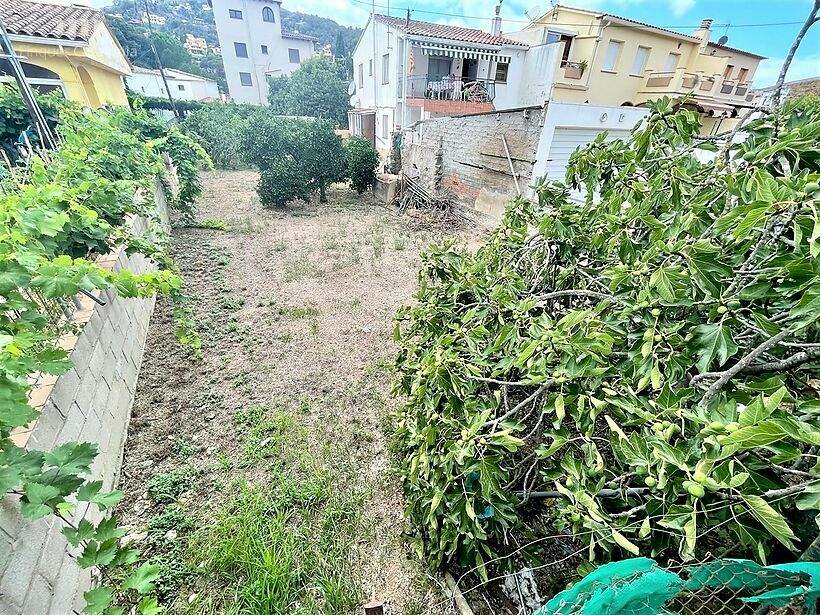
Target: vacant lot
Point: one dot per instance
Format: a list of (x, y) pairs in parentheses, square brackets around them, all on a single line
[(258, 478)]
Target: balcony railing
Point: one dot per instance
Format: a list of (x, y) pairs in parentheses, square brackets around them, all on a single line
[(572, 70), (660, 79), (450, 88)]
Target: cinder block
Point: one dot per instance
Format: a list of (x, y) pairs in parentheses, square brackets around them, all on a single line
[(39, 597), (22, 566), (48, 427), (65, 391), (73, 423)]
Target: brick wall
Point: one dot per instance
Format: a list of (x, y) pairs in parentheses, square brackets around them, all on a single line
[(90, 403), (475, 172)]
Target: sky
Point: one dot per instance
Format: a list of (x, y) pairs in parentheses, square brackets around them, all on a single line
[(741, 20), (764, 27)]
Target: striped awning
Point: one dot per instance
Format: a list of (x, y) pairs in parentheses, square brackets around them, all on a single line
[(457, 51)]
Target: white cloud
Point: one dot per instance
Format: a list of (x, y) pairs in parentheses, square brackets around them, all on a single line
[(679, 7), (801, 67)]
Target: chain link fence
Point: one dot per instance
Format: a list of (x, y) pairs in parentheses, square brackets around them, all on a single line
[(641, 586)]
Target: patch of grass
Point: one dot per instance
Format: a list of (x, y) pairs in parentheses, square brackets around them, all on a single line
[(299, 268), (172, 519), (243, 378), (223, 260), (284, 547), (297, 312), (250, 416), (314, 327), (168, 486), (243, 226), (211, 223)]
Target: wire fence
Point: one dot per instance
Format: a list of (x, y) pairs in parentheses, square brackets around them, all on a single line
[(641, 586)]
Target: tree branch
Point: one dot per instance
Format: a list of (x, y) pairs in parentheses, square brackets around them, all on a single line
[(742, 364)]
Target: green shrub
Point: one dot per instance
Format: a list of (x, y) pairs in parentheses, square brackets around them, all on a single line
[(362, 161), (646, 361), (218, 128), (295, 157), (168, 486)]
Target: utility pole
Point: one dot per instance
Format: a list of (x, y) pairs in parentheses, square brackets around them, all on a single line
[(159, 62), (38, 120)]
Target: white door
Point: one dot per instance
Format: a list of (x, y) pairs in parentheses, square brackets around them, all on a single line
[(565, 141)]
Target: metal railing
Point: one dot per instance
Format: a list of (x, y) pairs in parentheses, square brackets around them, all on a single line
[(450, 88)]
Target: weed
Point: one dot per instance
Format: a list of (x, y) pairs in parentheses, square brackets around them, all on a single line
[(231, 303), (241, 379), (223, 261), (225, 462), (184, 449), (279, 245), (314, 327), (168, 486), (299, 268), (286, 337), (217, 225), (399, 242), (243, 226), (251, 416), (298, 312), (171, 522)]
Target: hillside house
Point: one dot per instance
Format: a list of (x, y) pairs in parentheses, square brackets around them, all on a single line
[(184, 86)]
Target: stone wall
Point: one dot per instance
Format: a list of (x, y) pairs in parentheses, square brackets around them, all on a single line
[(90, 403), (474, 170)]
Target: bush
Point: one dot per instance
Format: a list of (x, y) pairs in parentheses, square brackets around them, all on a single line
[(218, 128), (646, 362), (318, 88), (362, 161), (295, 157)]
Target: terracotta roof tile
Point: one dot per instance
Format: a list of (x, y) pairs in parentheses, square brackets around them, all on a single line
[(437, 30), (58, 21)]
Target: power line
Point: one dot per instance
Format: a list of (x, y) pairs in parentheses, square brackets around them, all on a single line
[(563, 23)]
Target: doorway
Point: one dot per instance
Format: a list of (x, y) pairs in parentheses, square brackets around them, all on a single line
[(469, 70)]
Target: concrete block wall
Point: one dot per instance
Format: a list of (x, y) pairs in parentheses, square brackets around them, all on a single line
[(90, 403), (475, 172)]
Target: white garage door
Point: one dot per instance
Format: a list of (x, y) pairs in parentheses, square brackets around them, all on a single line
[(566, 140)]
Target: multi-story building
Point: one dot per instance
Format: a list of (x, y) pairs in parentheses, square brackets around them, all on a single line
[(605, 59), (196, 46), (254, 46), (405, 70), (183, 86)]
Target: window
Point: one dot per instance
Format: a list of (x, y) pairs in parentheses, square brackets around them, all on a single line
[(641, 56), (565, 39), (293, 56), (241, 50), (671, 62), (361, 75), (245, 79), (385, 126), (386, 68), (264, 50), (501, 70), (728, 72), (267, 14), (742, 74), (181, 87), (370, 68), (613, 51), (234, 14)]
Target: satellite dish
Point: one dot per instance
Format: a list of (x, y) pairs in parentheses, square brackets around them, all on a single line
[(533, 12), (351, 89), (723, 40), (354, 101)]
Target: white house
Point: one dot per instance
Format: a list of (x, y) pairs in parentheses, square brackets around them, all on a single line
[(407, 70), (254, 46), (184, 86)]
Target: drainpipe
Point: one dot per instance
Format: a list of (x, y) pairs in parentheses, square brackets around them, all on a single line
[(601, 29)]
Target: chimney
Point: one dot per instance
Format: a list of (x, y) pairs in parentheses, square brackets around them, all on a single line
[(704, 32), (495, 28)]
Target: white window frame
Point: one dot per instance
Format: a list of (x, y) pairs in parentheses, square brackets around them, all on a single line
[(235, 14), (236, 45), (298, 55), (246, 85), (614, 48), (637, 71), (386, 69)]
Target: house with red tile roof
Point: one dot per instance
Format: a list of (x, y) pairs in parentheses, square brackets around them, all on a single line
[(66, 48)]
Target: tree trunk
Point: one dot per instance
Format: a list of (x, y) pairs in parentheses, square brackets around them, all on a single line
[(322, 193)]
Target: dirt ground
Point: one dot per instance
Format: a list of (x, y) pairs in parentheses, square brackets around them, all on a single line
[(296, 309)]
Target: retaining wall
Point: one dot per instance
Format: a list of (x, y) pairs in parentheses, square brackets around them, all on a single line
[(464, 157), (90, 403)]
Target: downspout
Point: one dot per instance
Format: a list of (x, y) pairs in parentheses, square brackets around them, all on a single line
[(601, 29), (406, 76)]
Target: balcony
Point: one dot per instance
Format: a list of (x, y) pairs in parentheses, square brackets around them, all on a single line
[(458, 89), (572, 70)]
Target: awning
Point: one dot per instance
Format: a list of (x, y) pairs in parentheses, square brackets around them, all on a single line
[(456, 51)]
